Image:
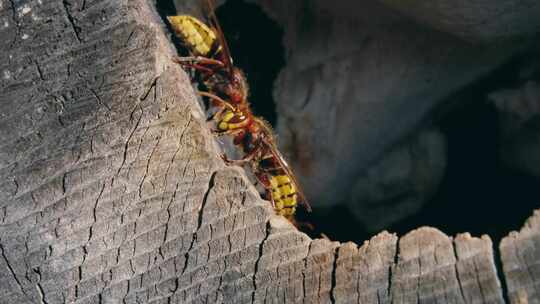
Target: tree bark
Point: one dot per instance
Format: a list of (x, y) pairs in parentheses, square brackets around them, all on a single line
[(113, 192)]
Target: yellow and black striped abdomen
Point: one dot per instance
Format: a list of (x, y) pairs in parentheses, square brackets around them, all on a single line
[(284, 195), (197, 36)]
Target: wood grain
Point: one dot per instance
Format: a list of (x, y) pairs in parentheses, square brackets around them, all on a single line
[(113, 192)]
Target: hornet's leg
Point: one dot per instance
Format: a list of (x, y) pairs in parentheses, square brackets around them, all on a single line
[(217, 100), (239, 162), (228, 132), (263, 179), (207, 66), (270, 197), (199, 60), (216, 115), (203, 69)]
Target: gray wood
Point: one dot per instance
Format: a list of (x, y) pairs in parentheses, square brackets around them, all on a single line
[(520, 255), (433, 269), (475, 269), (113, 192), (363, 274)]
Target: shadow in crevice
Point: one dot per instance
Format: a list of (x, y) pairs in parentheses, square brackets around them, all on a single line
[(256, 46), (478, 194)]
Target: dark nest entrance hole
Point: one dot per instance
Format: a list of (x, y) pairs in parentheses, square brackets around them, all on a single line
[(256, 44), (477, 195)]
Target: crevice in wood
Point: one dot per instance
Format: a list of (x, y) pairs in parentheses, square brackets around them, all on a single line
[(479, 282), (456, 271), (64, 177), (126, 145), (497, 259), (11, 271), (79, 278), (38, 69), (167, 223), (94, 215), (199, 221), (418, 277), (256, 269), (152, 85), (523, 261), (15, 191), (39, 288), (99, 101), (304, 273), (141, 184), (17, 22), (391, 272), (71, 20), (334, 268)]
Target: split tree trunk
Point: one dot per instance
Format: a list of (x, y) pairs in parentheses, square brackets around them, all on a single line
[(113, 192)]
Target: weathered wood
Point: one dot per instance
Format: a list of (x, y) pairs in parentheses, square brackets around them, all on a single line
[(520, 255), (363, 275), (433, 269), (113, 192)]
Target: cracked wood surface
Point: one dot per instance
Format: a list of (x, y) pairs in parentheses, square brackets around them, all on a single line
[(520, 253), (113, 192)]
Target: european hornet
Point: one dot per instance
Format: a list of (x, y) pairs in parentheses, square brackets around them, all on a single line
[(210, 56), (257, 141), (228, 90)]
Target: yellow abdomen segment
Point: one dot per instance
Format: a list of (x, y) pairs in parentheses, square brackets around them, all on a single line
[(284, 195), (197, 36)]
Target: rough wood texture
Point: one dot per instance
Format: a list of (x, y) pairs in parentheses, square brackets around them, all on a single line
[(520, 254), (113, 192)]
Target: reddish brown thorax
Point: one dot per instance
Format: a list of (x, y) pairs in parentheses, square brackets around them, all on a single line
[(249, 138)]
